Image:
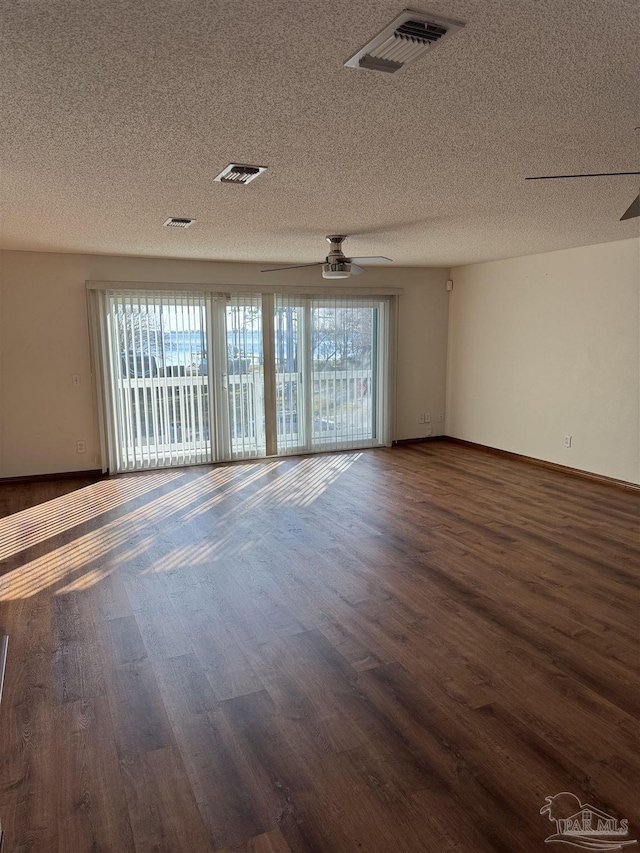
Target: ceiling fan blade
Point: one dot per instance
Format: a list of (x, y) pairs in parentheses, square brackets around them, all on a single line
[(633, 210), (588, 175), (356, 269), (294, 267), (371, 258)]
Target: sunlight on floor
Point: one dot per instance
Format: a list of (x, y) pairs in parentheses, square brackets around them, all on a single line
[(80, 563), (37, 524)]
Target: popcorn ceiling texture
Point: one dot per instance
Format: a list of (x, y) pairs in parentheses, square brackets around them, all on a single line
[(118, 114)]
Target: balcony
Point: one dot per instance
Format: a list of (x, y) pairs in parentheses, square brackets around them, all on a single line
[(168, 416)]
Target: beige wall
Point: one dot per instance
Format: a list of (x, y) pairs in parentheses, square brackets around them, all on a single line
[(422, 338), (548, 345), (44, 339)]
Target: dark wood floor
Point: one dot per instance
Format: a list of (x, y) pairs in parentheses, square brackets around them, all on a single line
[(395, 650)]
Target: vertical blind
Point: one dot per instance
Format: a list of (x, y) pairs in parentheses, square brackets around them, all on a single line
[(245, 376), (186, 377), (158, 355), (290, 355)]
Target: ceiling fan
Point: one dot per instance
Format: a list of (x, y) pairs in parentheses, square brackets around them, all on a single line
[(630, 213), (336, 264)]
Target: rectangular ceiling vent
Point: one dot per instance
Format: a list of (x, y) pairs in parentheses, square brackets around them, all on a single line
[(406, 39), (238, 174), (178, 222)]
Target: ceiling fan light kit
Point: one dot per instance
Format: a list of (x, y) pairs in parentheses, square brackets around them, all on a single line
[(339, 270)]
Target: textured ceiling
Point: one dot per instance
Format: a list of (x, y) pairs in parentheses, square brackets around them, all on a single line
[(117, 114)]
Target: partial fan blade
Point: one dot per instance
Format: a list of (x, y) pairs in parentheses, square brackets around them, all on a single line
[(589, 175), (633, 210), (371, 258), (294, 267), (356, 269)]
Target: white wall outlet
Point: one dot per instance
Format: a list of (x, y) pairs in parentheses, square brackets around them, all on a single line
[(567, 441), (81, 446), (75, 380), (428, 431), (427, 418), (420, 419), (440, 417)]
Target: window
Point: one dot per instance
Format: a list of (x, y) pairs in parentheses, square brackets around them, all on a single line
[(186, 377)]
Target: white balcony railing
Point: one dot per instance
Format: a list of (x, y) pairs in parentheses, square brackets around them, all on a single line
[(169, 415)]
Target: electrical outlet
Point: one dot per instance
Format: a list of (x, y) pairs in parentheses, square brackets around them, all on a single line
[(427, 418), (440, 417), (75, 380), (567, 441), (421, 419), (428, 431), (81, 446)]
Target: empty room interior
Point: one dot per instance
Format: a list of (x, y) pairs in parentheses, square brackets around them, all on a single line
[(319, 426)]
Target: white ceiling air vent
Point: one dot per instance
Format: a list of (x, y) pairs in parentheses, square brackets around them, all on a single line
[(237, 174), (406, 38), (178, 222)]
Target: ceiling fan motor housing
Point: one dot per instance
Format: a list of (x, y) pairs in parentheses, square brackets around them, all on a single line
[(337, 265)]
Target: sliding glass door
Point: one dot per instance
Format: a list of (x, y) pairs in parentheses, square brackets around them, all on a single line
[(183, 377), (330, 361)]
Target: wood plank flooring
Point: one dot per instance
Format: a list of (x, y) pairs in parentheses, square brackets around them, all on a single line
[(404, 649)]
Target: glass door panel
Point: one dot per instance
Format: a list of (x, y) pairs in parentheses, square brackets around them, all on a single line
[(245, 376), (328, 388), (343, 373), (289, 330)]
